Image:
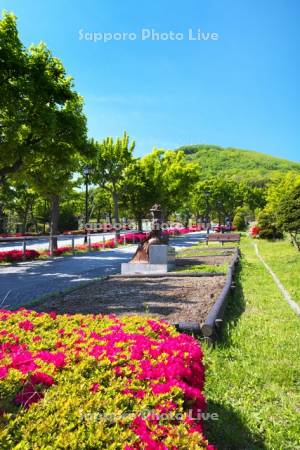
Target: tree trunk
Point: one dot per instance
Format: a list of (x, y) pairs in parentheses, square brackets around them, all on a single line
[(140, 224), (115, 196), (164, 215), (295, 241), (54, 222), (3, 221), (24, 223), (25, 220), (44, 217)]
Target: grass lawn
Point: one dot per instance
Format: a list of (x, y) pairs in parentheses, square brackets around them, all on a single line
[(207, 268), (253, 373), (284, 259)]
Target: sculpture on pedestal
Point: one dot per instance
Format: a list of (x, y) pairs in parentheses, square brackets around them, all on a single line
[(155, 237)]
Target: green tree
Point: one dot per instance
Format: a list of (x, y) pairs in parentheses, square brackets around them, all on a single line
[(284, 204), (239, 219), (268, 224), (288, 214), (43, 126), (139, 192), (201, 200), (23, 205), (109, 166), (170, 177)]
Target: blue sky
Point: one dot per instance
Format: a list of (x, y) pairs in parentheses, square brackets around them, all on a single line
[(241, 90)]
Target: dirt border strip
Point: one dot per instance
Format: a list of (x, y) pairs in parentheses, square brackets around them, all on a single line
[(280, 286)]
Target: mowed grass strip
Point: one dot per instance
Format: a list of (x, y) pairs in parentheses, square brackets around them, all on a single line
[(253, 373), (207, 268), (284, 260)]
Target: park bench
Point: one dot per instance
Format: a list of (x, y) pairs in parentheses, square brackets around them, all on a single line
[(223, 237)]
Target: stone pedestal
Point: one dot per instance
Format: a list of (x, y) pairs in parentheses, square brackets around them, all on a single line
[(161, 260)]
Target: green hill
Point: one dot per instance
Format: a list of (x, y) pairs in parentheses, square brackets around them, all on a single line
[(241, 164)]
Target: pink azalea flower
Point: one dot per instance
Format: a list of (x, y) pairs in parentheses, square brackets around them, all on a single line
[(24, 362), (26, 325), (58, 359), (3, 372)]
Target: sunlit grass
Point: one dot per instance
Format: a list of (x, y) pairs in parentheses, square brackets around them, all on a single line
[(284, 260), (203, 268), (253, 373)]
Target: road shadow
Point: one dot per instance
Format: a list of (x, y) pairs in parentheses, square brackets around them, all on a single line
[(32, 279), (229, 431)]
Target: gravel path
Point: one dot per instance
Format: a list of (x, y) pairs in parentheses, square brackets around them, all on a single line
[(24, 282)]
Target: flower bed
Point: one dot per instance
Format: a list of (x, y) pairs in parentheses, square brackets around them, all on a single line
[(83, 247), (17, 255), (132, 238), (128, 238), (92, 382)]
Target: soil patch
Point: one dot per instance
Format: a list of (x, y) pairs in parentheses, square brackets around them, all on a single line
[(187, 299)]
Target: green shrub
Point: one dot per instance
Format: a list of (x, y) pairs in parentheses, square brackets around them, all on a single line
[(239, 221)]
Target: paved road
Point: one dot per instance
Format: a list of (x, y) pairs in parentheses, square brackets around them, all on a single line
[(24, 282), (42, 243)]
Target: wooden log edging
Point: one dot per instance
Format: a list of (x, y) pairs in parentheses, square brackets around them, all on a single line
[(216, 314), (188, 327)]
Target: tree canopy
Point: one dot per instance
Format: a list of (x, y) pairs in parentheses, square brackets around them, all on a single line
[(42, 125)]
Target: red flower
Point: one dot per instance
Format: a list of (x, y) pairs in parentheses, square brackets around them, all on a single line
[(95, 387), (28, 395), (41, 378)]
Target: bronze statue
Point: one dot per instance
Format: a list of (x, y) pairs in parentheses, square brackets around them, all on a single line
[(155, 237)]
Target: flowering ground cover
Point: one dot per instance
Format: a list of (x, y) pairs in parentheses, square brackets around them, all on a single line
[(128, 238), (98, 382), (17, 255)]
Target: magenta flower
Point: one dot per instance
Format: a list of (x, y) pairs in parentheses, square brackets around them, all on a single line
[(24, 362), (3, 372), (26, 325), (41, 378), (58, 359)]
